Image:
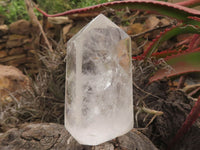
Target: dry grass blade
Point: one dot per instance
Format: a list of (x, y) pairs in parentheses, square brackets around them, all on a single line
[(35, 21)]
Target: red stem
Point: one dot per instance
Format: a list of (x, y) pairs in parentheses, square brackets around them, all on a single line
[(193, 41), (181, 82), (190, 120)]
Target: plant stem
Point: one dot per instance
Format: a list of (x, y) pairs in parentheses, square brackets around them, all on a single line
[(190, 120)]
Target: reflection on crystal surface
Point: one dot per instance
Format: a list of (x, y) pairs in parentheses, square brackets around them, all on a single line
[(98, 98)]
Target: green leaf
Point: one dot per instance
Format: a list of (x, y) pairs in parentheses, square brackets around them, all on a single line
[(169, 34), (175, 11), (186, 62)]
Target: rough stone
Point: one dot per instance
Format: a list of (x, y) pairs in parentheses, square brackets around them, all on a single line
[(21, 27), (2, 46), (3, 53), (3, 39), (20, 61), (15, 40), (14, 57), (12, 81), (3, 29), (51, 136), (38, 137), (107, 146), (28, 46), (16, 51)]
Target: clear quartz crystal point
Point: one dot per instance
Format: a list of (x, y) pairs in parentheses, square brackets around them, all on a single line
[(98, 99)]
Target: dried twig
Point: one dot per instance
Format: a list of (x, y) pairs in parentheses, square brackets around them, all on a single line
[(194, 92), (151, 30), (35, 21), (190, 87), (155, 113), (151, 111), (181, 82), (145, 91)]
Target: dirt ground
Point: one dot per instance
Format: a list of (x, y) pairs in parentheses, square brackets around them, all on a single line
[(175, 106)]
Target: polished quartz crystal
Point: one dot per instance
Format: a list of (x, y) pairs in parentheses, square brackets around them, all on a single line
[(98, 100)]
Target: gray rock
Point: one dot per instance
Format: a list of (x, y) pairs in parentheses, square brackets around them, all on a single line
[(51, 136), (38, 137)]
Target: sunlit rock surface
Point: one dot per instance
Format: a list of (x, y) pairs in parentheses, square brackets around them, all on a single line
[(99, 105)]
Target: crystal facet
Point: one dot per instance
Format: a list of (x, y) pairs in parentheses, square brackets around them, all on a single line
[(98, 100)]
